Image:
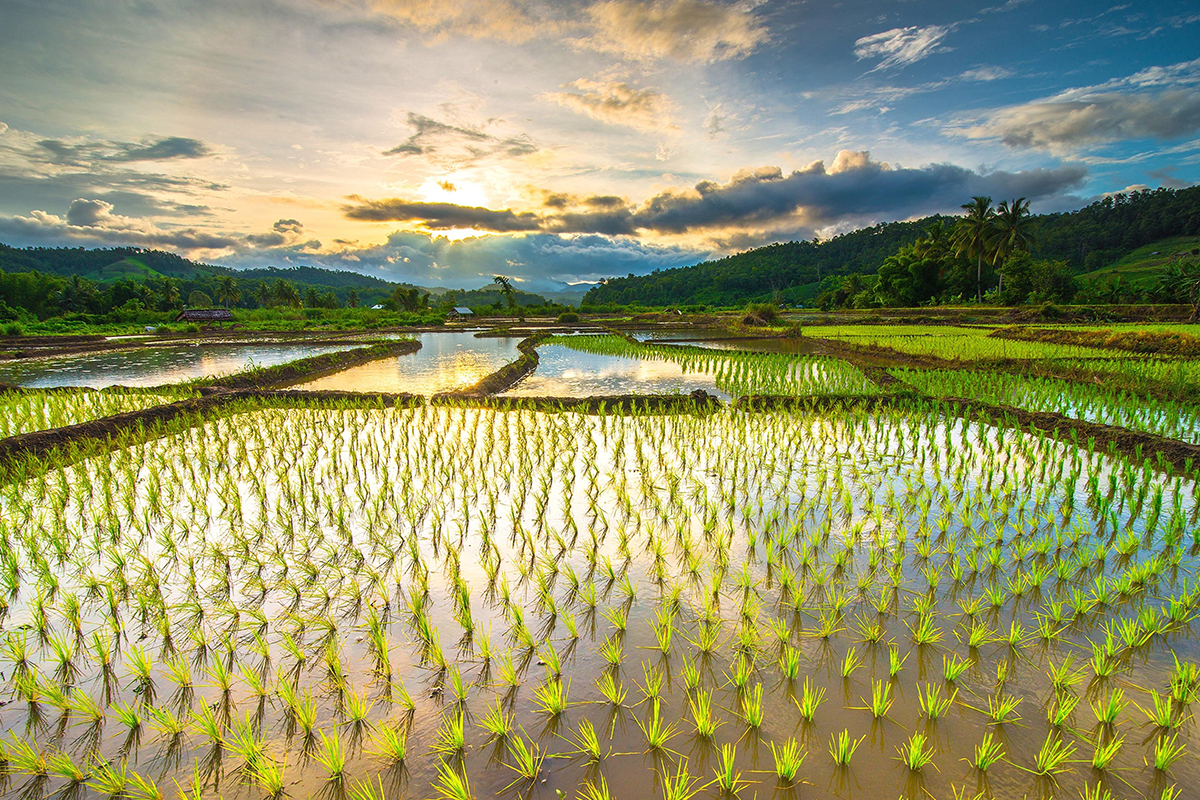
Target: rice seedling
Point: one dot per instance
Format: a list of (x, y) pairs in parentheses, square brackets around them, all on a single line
[(587, 743), (1108, 710), (1053, 758), (915, 754), (452, 785), (788, 759), (881, 699), (987, 752), (810, 700), (842, 747), (933, 705), (1106, 752), (657, 732), (701, 708), (390, 744), (1168, 750), (527, 760)]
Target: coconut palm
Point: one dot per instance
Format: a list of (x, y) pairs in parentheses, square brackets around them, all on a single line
[(228, 292), (506, 286), (1015, 230), (973, 234)]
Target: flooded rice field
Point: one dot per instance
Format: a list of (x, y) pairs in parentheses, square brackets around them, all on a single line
[(563, 372), (154, 366), (446, 361), (450, 603)]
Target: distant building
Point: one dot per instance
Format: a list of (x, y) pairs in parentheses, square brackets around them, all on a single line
[(205, 315), (460, 311), (377, 307)]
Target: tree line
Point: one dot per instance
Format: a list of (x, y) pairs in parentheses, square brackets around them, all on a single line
[(1043, 256)]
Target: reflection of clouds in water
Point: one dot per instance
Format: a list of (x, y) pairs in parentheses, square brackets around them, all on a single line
[(155, 365), (571, 373), (446, 360)]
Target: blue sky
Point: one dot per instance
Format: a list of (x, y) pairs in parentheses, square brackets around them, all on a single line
[(559, 142)]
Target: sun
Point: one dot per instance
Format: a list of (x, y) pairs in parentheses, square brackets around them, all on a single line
[(450, 189)]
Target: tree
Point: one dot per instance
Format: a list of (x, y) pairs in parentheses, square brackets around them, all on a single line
[(409, 299), (198, 299), (170, 294), (352, 298), (228, 293), (286, 294), (1181, 281), (506, 286), (311, 298), (1015, 231), (973, 234)]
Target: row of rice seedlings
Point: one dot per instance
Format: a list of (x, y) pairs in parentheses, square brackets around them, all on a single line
[(1110, 404), (803, 539), (737, 373), (35, 410)]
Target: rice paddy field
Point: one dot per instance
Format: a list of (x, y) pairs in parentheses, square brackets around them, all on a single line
[(858, 593)]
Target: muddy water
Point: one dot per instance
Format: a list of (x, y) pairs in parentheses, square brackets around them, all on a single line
[(706, 519), (154, 366), (446, 360)]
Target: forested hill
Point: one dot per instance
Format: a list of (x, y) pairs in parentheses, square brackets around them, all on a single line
[(1086, 239)]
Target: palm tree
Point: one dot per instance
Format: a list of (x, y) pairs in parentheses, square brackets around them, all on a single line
[(1015, 230), (228, 292), (506, 287), (286, 293), (1181, 282), (973, 233)]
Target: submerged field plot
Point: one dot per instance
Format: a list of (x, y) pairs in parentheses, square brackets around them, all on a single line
[(449, 602)]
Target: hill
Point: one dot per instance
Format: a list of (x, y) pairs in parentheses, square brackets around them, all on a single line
[(1089, 240), (1141, 267)]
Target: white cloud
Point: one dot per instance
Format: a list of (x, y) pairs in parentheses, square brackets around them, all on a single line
[(902, 46), (617, 103), (684, 30)]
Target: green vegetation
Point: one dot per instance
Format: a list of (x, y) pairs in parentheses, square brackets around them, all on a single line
[(857, 587), (1012, 258)]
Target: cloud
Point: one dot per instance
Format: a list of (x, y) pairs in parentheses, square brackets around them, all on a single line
[(1159, 102), (92, 222), (693, 31), (86, 153), (441, 216), (902, 46), (452, 145), (617, 103), (852, 189), (540, 261), (509, 21), (1063, 125)]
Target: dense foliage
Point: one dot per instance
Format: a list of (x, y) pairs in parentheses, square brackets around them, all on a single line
[(843, 269), (130, 285)]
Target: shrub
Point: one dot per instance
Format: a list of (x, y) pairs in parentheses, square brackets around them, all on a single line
[(568, 316), (761, 314), (14, 329)]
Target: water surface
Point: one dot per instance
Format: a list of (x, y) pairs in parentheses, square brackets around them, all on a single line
[(564, 372), (154, 366), (446, 360)]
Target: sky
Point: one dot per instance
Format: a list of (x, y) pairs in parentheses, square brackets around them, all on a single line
[(557, 143)]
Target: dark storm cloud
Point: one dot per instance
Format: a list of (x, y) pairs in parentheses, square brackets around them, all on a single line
[(442, 216), (853, 188)]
